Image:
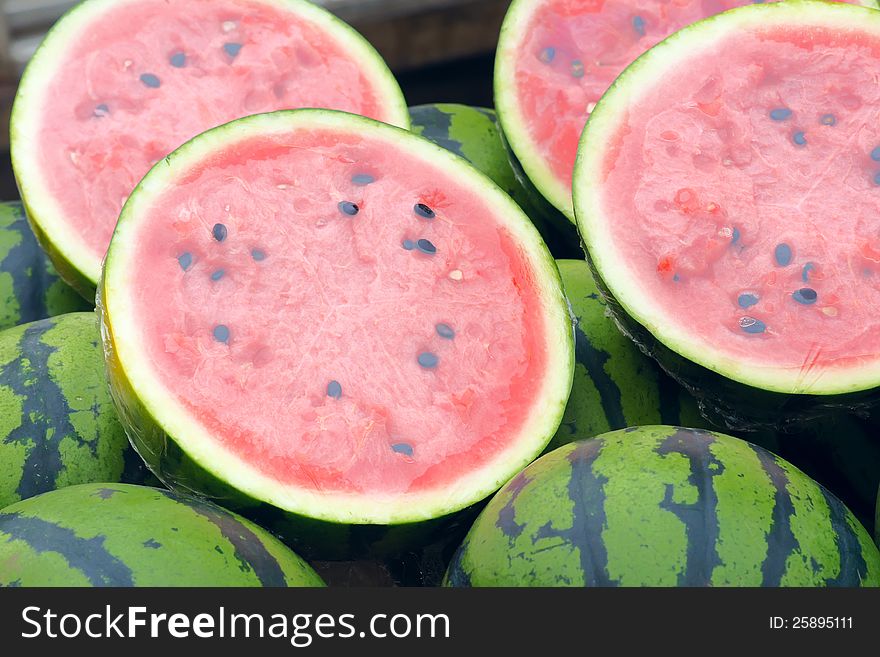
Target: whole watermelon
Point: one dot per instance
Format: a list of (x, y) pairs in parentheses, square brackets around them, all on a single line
[(30, 288), (58, 425), (665, 506), (122, 535)]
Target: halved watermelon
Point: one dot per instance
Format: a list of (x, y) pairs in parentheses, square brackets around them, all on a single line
[(727, 190), (555, 60), (117, 85), (335, 319)]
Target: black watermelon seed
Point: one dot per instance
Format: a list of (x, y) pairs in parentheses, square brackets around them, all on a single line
[(258, 255), (217, 275), (348, 208), (219, 232), (547, 55), (752, 325), (403, 448), (185, 260), (805, 274), (221, 333), (334, 389), (424, 211), (780, 114), (151, 81), (426, 247), (362, 179), (782, 255), (232, 49), (638, 24), (445, 331), (101, 111), (178, 60), (428, 360), (806, 296)]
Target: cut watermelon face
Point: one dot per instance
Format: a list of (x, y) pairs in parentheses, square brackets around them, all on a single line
[(557, 57), (727, 190), (116, 86), (335, 317)]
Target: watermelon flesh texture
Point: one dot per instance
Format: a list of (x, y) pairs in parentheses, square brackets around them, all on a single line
[(340, 313), (558, 59), (665, 506), (111, 104), (736, 203)]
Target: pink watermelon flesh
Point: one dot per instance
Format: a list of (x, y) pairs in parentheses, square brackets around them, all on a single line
[(340, 313), (571, 52), (151, 74), (744, 197)]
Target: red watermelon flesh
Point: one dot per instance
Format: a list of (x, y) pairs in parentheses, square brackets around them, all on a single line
[(138, 78), (560, 58), (337, 312), (729, 195)]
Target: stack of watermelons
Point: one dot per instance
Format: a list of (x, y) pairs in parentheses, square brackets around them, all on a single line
[(620, 333)]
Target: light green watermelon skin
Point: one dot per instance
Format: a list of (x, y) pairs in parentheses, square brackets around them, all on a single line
[(665, 506), (58, 425), (30, 288), (122, 535), (475, 134)]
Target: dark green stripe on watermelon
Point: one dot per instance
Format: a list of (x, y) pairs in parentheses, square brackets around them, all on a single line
[(86, 555), (249, 550), (699, 516), (474, 134), (123, 535), (58, 425), (30, 288), (665, 506), (615, 385)]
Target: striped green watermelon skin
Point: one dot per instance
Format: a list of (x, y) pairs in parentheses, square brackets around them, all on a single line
[(665, 506), (58, 425), (615, 385), (30, 288), (475, 134), (123, 535)]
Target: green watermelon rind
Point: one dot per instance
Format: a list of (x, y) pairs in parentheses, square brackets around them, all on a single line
[(30, 288), (665, 506), (58, 424), (133, 536), (739, 396), (176, 447), (615, 384), (64, 245)]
